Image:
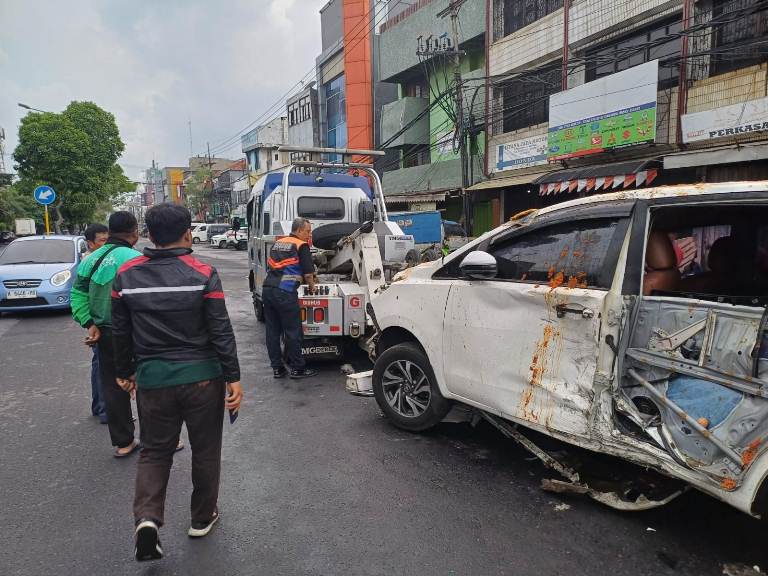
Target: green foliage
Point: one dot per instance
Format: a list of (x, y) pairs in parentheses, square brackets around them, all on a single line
[(197, 189), (76, 153), (16, 202)]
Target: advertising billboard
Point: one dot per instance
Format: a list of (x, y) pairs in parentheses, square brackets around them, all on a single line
[(611, 112), (521, 153), (734, 120)]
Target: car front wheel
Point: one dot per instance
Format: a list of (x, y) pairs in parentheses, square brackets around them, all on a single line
[(195, 240), (406, 390), (223, 244)]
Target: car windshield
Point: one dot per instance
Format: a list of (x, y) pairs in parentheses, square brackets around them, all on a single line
[(38, 252)]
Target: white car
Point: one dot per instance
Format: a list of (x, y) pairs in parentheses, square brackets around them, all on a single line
[(631, 324), (230, 239)]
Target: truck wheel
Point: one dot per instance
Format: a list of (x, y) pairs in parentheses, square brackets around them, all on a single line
[(429, 255), (412, 257), (405, 388), (258, 308)]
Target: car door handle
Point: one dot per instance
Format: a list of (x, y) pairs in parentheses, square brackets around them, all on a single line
[(563, 309)]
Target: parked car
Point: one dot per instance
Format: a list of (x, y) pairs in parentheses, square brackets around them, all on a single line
[(37, 272), (231, 239), (631, 324)]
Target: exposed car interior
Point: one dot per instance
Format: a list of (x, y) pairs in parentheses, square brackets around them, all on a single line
[(696, 364)]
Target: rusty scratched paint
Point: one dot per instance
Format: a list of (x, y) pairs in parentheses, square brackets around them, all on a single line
[(750, 452), (728, 483)]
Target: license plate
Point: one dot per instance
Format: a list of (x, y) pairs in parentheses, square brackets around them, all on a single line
[(19, 294)]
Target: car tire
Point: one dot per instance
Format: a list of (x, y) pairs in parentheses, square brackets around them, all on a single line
[(258, 309), (412, 257), (415, 403), (195, 240), (223, 244), (429, 255)]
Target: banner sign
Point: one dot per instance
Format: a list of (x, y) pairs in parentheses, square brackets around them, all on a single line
[(744, 118), (611, 112), (521, 153)]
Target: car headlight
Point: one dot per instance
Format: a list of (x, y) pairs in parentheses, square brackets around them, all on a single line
[(61, 277)]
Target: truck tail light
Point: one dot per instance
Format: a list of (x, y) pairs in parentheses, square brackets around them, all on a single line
[(303, 314), (318, 315)]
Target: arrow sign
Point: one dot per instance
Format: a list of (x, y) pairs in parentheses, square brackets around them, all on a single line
[(45, 195)]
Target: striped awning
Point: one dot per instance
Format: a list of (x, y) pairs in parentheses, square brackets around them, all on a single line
[(605, 177)]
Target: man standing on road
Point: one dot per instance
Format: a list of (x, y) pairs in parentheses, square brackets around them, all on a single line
[(96, 236), (92, 309), (289, 263), (174, 344)]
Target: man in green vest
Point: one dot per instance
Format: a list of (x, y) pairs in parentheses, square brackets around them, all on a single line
[(92, 308)]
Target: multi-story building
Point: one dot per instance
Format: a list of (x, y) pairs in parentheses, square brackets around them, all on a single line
[(416, 53), (224, 200), (173, 184), (646, 92), (153, 186), (261, 144), (302, 114), (350, 95)]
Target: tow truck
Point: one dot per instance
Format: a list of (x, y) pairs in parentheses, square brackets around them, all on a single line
[(356, 249)]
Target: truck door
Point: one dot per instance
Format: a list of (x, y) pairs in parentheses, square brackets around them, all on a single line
[(526, 344)]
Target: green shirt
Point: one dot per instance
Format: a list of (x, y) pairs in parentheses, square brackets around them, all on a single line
[(92, 299), (156, 373)]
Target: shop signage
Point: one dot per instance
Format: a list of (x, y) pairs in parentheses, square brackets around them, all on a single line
[(611, 112), (521, 153), (743, 118)]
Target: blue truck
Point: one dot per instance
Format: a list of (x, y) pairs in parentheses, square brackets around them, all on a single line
[(430, 232)]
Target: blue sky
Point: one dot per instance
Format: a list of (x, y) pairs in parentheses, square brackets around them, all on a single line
[(155, 64)]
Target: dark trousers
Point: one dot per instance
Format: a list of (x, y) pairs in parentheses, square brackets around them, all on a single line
[(116, 400), (97, 399), (283, 318), (161, 412)]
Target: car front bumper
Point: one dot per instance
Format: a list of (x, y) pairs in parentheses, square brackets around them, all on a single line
[(47, 299)]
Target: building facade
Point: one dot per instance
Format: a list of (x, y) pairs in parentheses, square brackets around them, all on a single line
[(416, 51), (261, 144), (644, 93)]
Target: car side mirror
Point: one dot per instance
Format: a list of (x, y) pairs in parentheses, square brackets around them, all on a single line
[(479, 265), (83, 248)]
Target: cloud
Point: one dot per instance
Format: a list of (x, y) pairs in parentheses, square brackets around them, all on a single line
[(156, 65)]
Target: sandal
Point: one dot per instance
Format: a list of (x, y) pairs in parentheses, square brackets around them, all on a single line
[(134, 446)]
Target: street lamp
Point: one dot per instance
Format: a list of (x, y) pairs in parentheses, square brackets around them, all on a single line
[(30, 108)]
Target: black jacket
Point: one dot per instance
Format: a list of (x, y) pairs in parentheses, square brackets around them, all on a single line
[(168, 305)]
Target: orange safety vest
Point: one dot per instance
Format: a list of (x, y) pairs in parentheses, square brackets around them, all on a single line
[(283, 265)]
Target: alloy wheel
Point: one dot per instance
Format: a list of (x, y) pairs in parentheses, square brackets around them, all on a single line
[(406, 388)]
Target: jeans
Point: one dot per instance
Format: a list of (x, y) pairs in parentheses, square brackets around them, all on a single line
[(97, 399), (161, 412), (283, 318), (116, 400)]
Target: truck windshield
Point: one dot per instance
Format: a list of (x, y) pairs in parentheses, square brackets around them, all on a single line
[(320, 208), (38, 252)]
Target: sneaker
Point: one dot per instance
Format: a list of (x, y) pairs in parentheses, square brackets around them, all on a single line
[(279, 372), (147, 541), (305, 373), (200, 529)]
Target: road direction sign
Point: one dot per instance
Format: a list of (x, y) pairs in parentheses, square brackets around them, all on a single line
[(45, 195)]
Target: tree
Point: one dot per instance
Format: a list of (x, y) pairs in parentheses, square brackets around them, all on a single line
[(76, 153), (16, 202), (196, 190)]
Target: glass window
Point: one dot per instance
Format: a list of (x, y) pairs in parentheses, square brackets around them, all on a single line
[(38, 252), (575, 254), (738, 28), (521, 13), (320, 208), (642, 46), (526, 98)]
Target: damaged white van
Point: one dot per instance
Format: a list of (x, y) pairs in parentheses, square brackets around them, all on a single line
[(631, 324)]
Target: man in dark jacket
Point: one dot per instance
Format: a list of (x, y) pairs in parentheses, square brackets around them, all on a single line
[(175, 345)]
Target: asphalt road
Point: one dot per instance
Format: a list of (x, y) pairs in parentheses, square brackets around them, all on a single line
[(314, 481)]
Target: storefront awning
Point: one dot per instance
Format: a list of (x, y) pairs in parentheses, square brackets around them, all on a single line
[(506, 181), (605, 177), (723, 155), (414, 198)]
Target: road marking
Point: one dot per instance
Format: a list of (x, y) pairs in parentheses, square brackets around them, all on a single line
[(7, 324)]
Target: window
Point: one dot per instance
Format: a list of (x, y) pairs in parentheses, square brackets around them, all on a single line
[(320, 208), (416, 155), (336, 114), (416, 88), (526, 99), (299, 111), (575, 254), (520, 13), (39, 252), (737, 28), (643, 46)]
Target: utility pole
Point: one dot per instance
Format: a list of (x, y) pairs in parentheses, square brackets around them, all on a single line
[(453, 11)]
